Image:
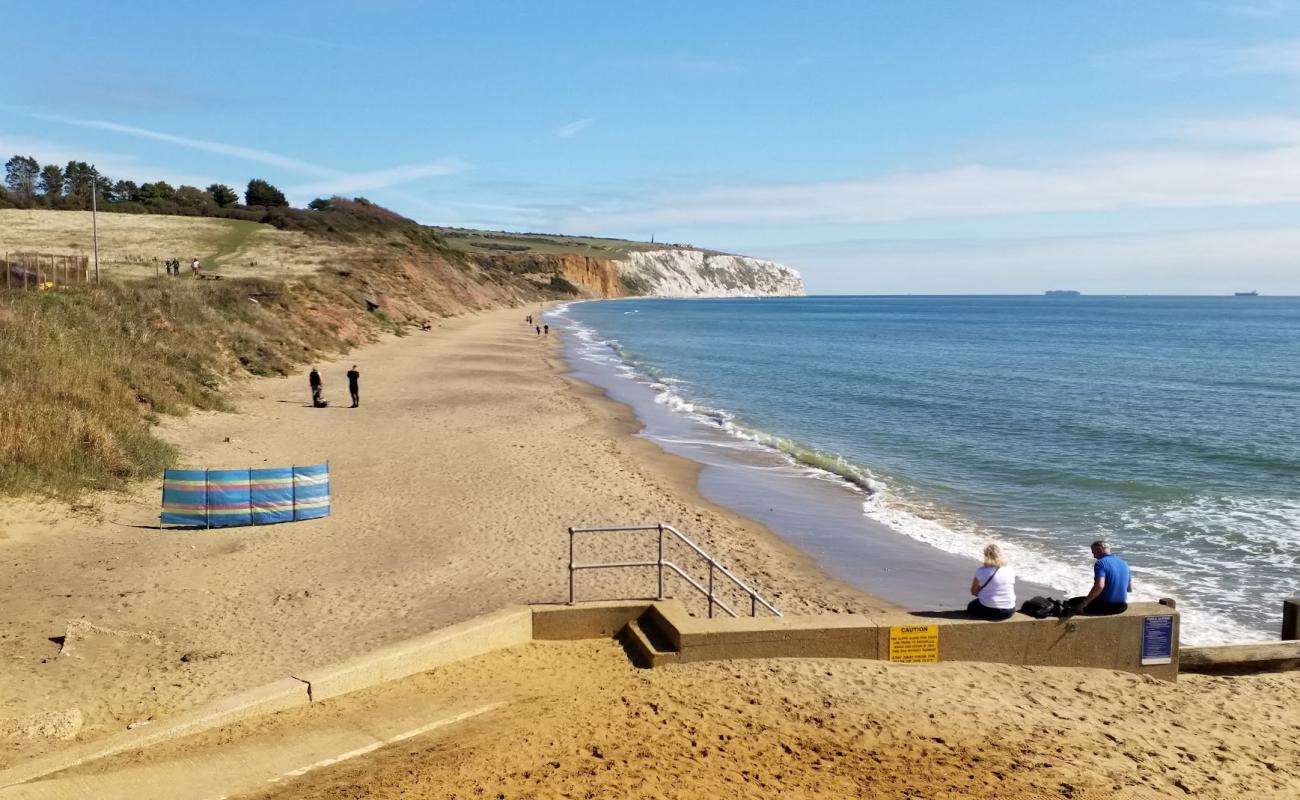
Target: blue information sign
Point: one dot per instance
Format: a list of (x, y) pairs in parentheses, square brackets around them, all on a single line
[(1157, 640)]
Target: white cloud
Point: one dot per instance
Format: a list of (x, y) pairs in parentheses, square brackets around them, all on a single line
[(220, 148), (332, 181), (1155, 179), (381, 179), (1263, 130), (1260, 9), (1193, 262), (574, 128), (117, 166), (1277, 57)]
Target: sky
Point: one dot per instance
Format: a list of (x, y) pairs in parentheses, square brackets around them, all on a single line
[(877, 147)]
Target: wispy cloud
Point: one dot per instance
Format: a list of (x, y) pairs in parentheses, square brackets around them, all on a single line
[(1261, 130), (383, 178), (1184, 177), (109, 163), (1276, 57), (1156, 263), (1259, 9), (205, 145), (571, 129), (331, 181)]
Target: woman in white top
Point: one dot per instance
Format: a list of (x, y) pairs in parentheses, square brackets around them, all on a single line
[(994, 587)]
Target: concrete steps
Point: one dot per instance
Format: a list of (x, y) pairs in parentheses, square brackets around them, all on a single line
[(647, 643)]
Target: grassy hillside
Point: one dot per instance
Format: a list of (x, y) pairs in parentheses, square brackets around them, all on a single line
[(86, 371), (476, 241), (136, 246)]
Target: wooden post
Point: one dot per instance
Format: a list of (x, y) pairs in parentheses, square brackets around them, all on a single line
[(1291, 619)]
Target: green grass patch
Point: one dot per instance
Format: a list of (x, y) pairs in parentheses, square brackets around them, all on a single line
[(237, 234)]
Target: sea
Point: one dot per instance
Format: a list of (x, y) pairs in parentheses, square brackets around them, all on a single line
[(892, 437)]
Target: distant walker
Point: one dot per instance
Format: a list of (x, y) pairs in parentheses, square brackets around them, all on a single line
[(353, 378)]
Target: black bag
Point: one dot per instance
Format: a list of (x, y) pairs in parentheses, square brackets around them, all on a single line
[(1039, 607), (1043, 607)]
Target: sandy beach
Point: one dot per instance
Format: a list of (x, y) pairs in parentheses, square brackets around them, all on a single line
[(453, 484)]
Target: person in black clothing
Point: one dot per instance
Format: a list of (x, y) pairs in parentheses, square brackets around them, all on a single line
[(353, 377), (317, 392), (546, 329)]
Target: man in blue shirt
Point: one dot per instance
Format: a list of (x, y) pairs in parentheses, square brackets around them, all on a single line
[(1111, 584)]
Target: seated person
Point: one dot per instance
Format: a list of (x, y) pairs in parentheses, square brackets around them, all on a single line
[(1111, 584), (994, 587)]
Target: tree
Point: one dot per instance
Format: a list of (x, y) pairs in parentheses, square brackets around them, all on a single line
[(124, 191), (51, 182), (223, 195), (20, 176), (106, 192), (321, 204), (78, 182), (192, 197), (261, 193), (157, 192)]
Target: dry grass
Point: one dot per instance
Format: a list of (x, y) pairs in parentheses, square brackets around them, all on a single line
[(84, 372), (136, 245)]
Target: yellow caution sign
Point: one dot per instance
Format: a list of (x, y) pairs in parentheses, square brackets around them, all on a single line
[(914, 644)]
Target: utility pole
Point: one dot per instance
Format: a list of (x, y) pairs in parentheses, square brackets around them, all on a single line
[(94, 214)]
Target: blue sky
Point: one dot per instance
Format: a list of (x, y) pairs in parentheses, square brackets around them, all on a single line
[(877, 147)]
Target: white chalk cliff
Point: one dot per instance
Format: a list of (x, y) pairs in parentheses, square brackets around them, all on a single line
[(695, 273)]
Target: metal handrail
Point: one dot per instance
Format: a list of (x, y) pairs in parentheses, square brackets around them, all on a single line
[(755, 600)]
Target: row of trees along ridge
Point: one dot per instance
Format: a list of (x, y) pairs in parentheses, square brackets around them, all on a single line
[(30, 185)]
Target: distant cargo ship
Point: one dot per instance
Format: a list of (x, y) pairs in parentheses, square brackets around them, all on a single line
[(1061, 293), (1245, 294)]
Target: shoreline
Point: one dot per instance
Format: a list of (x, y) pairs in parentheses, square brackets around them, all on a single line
[(452, 487), (817, 512)]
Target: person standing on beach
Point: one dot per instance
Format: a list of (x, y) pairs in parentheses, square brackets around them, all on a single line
[(1111, 584), (317, 391), (353, 378), (546, 329), (994, 587), (538, 328)]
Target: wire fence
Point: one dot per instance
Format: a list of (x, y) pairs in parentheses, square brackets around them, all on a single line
[(40, 271)]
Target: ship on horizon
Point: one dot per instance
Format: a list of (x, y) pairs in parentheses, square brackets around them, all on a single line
[(1245, 294), (1061, 293)]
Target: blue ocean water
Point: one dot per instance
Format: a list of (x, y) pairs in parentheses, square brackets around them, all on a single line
[(1167, 425)]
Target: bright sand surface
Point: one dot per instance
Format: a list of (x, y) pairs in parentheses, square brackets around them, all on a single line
[(453, 484), (578, 720)]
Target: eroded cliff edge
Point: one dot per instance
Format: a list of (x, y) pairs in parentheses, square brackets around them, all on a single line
[(670, 272)]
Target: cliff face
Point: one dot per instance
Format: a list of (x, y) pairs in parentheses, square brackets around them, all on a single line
[(652, 273), (596, 275), (694, 273)]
